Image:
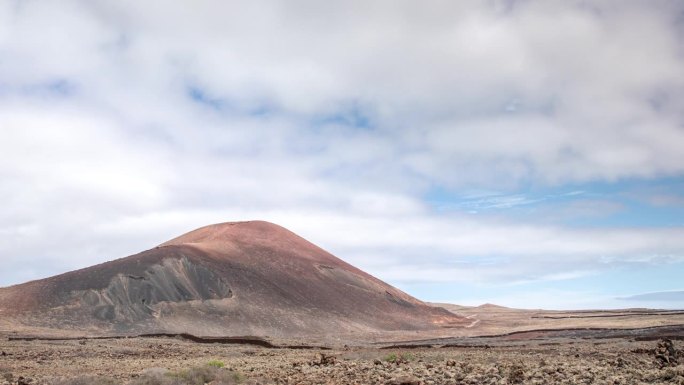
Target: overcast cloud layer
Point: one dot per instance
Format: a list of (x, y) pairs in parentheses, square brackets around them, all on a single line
[(470, 151)]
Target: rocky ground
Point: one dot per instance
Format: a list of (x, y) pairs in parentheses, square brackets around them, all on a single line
[(168, 361)]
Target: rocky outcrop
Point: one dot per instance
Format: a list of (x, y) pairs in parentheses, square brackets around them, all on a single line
[(666, 354), (131, 298)]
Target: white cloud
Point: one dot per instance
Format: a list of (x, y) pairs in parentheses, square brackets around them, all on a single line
[(439, 78), (105, 152), (433, 249)]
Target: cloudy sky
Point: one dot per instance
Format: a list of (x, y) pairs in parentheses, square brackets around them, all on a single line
[(526, 153)]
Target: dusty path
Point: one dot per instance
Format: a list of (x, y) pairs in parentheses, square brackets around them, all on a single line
[(474, 323)]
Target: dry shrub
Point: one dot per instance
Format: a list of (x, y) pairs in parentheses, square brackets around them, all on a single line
[(84, 380), (201, 375), (156, 377), (6, 374)]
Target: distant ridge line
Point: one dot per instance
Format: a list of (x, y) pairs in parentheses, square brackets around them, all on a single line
[(626, 314)]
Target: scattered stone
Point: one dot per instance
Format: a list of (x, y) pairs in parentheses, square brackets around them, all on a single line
[(616, 364), (323, 360), (666, 354), (516, 375)]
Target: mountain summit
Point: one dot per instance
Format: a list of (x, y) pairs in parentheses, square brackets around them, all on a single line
[(230, 279)]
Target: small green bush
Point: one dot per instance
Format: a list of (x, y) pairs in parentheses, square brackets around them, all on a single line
[(392, 357), (399, 358), (216, 363)]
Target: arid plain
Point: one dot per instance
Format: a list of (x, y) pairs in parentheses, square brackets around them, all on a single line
[(504, 346)]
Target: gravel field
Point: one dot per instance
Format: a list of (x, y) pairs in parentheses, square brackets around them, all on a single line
[(171, 361)]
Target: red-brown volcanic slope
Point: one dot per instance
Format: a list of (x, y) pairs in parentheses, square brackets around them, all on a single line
[(242, 278)]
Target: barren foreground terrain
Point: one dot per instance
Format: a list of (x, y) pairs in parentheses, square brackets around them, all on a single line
[(155, 360), (569, 350)]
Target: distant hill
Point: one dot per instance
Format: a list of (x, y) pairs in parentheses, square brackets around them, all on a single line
[(241, 278)]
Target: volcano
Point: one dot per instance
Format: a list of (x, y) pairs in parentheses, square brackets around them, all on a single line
[(231, 279)]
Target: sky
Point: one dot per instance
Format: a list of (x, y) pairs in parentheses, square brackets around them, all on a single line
[(523, 153)]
